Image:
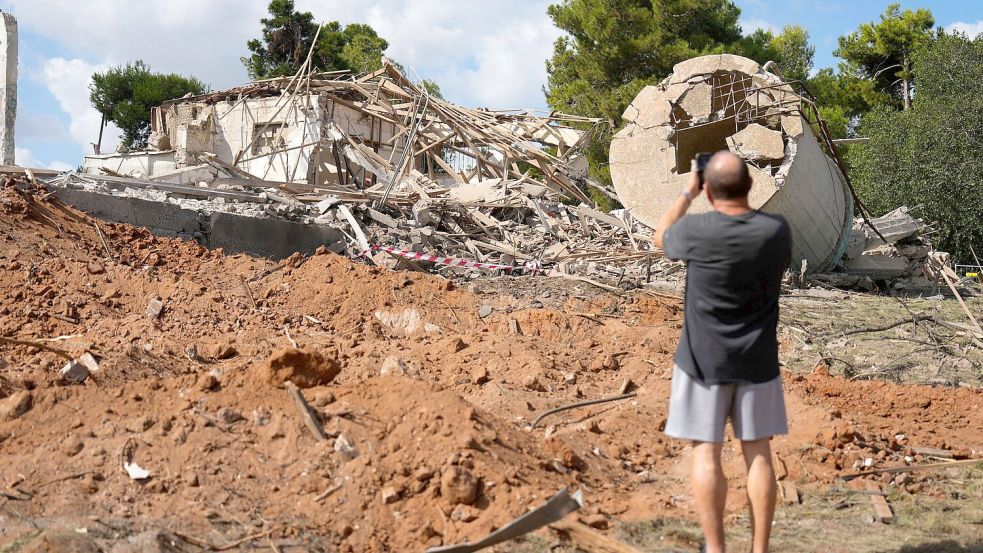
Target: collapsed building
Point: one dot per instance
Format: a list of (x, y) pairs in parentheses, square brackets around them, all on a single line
[(363, 165), (376, 168), (725, 102)]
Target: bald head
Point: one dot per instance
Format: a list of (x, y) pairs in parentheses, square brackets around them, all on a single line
[(727, 176)]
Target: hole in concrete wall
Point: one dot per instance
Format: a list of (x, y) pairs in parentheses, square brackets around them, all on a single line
[(708, 137), (267, 138)]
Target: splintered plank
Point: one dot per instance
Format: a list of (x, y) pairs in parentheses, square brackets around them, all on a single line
[(587, 538), (790, 494), (305, 412), (882, 511)]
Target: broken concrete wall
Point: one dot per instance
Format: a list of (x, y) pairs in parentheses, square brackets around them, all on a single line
[(142, 164), (722, 102), (270, 237)]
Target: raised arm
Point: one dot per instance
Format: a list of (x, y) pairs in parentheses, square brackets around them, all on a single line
[(676, 211)]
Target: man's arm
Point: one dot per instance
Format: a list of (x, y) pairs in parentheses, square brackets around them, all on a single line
[(678, 208)]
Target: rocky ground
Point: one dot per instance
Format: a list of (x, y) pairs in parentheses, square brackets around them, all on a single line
[(425, 390)]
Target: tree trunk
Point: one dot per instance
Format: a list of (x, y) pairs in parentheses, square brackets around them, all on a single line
[(98, 144), (906, 93)]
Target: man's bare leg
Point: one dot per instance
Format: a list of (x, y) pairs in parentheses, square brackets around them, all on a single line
[(710, 493), (761, 491)]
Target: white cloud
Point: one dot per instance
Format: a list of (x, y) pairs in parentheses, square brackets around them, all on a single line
[(204, 39), (972, 30), (25, 158), (752, 24), (68, 82), (480, 52)]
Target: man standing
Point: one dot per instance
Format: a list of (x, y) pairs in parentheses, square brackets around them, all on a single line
[(726, 364)]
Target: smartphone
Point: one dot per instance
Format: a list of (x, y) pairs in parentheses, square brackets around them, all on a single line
[(702, 159)]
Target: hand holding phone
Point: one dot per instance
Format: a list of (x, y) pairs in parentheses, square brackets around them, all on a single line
[(700, 162)]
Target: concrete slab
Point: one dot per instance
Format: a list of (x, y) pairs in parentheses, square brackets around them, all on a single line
[(757, 143), (234, 233), (877, 267)]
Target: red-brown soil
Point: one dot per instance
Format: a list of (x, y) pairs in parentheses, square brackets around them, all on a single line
[(430, 400)]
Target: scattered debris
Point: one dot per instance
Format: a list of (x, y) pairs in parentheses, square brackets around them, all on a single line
[(557, 507)]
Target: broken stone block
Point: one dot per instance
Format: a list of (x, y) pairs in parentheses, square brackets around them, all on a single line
[(696, 102), (393, 365), (893, 226), (757, 143), (154, 308), (855, 243), (75, 371), (345, 448), (390, 495), (877, 267)]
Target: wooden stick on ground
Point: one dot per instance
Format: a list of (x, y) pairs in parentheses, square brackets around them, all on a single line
[(882, 511), (911, 468), (589, 539), (102, 239), (962, 303), (305, 412), (39, 345), (249, 294)]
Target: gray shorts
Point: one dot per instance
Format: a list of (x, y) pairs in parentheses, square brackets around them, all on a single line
[(699, 412)]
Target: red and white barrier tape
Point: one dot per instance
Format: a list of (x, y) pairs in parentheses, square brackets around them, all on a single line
[(532, 266)]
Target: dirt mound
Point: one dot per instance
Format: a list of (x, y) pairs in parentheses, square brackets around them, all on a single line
[(425, 392), (304, 368)]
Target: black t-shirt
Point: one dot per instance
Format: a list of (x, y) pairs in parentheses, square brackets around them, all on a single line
[(734, 273)]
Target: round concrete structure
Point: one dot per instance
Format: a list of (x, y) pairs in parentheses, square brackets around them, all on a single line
[(719, 102)]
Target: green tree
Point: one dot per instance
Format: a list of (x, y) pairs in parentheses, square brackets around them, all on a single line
[(929, 156), (125, 94), (432, 88), (288, 35), (363, 48), (793, 53), (884, 51)]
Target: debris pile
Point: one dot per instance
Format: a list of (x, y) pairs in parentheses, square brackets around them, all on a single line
[(399, 172), (415, 428), (894, 249)]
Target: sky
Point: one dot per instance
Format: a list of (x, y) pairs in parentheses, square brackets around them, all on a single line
[(487, 53)]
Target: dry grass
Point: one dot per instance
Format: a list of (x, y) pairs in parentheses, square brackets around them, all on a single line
[(813, 326), (827, 520)]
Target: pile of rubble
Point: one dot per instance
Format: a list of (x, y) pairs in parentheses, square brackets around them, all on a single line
[(894, 250), (399, 173)]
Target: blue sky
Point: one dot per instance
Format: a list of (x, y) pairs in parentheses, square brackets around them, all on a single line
[(496, 60)]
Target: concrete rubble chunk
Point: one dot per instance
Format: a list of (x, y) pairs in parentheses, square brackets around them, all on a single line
[(878, 267), (856, 243), (698, 100), (757, 143), (894, 226), (154, 308)]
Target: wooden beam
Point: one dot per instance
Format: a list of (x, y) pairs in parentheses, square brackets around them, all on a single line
[(882, 511), (588, 539), (305, 412)]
